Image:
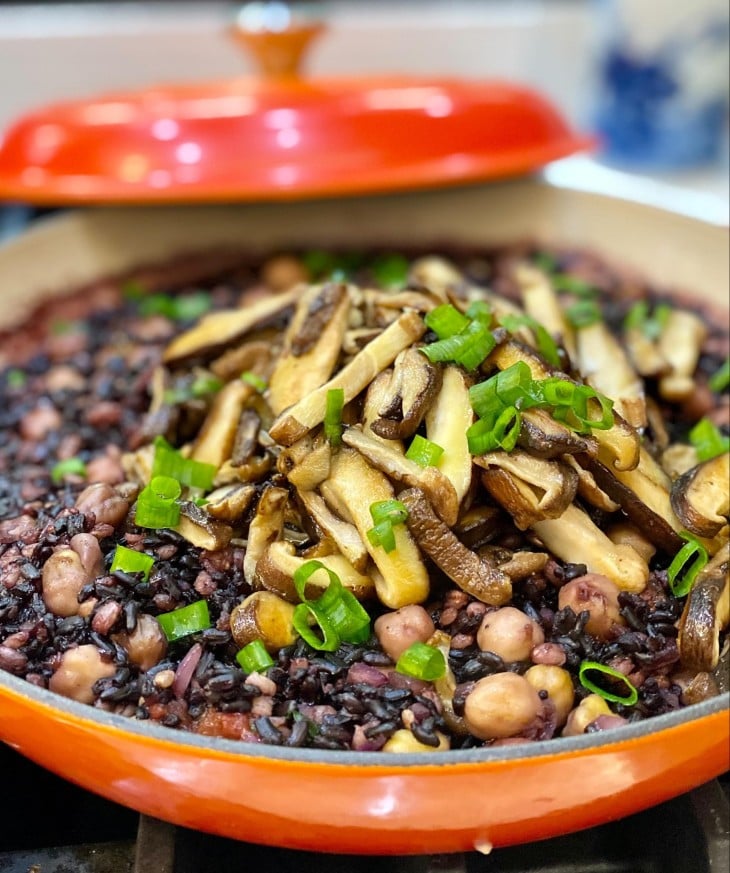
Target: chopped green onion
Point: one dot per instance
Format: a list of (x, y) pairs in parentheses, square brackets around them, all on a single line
[(487, 435), (720, 379), (382, 535), (545, 261), (186, 307), (479, 310), (255, 381), (61, 326), (445, 321), (254, 658), (333, 416), (570, 405), (708, 440), (204, 385), (169, 462), (546, 345), (424, 452), (185, 621), (130, 561), (681, 573), (156, 504), (318, 263), (651, 326), (15, 378), (594, 666), (133, 290), (584, 313), (423, 662), (390, 271), (476, 343), (68, 467), (574, 285), (328, 641), (388, 510)]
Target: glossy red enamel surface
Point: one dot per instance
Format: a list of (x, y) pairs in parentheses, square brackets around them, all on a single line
[(280, 139), (325, 806)]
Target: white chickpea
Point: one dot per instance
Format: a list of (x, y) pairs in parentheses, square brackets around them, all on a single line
[(558, 685), (398, 630), (501, 705), (599, 596), (146, 645), (509, 633), (63, 578), (79, 669), (588, 710)]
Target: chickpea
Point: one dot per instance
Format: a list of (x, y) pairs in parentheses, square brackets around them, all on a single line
[(398, 630), (588, 710), (403, 741), (79, 669), (87, 548), (63, 578), (283, 271), (146, 645), (597, 594), (104, 502), (509, 633), (501, 705), (559, 687)]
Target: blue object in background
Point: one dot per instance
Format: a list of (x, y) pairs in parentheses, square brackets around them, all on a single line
[(662, 82)]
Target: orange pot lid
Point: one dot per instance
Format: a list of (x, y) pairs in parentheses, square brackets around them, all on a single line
[(278, 136)]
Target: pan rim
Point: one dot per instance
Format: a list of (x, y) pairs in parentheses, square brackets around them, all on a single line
[(91, 717)]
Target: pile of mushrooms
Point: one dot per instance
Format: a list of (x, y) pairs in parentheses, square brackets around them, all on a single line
[(287, 495)]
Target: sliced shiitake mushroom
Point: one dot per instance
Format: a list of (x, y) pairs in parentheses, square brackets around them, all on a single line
[(414, 383), (701, 497), (474, 574), (308, 412), (588, 488), (706, 613), (245, 441), (276, 568), (200, 529), (312, 344), (252, 356), (266, 526), (216, 330), (214, 444), (544, 437), (230, 502), (263, 616), (541, 303), (680, 343), (529, 488), (342, 533)]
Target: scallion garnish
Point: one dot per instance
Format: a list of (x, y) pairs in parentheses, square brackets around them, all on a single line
[(205, 384), (333, 416), (390, 271), (422, 662), (545, 261), (574, 285), (479, 310), (132, 289), (130, 561), (187, 620), (445, 321), (382, 535), (15, 378), (595, 667), (487, 434), (583, 313), (169, 462), (254, 658), (468, 348), (255, 381), (720, 379), (67, 467), (546, 345), (424, 452), (186, 307), (156, 505), (639, 318), (689, 561), (708, 440), (385, 515)]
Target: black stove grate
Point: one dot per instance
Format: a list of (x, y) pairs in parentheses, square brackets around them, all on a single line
[(52, 826)]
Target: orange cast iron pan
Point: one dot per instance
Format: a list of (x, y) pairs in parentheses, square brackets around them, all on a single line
[(368, 802)]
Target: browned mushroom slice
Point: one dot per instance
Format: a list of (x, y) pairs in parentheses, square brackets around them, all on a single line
[(447, 422), (541, 303), (253, 356), (402, 577), (416, 300), (706, 613), (263, 616), (218, 329), (308, 412), (574, 537), (517, 565), (701, 497), (266, 527), (678, 459), (413, 385), (307, 463), (544, 437), (230, 502), (478, 525), (435, 274), (619, 443), (446, 685), (475, 575), (245, 441), (312, 344), (680, 343), (375, 398), (604, 365), (201, 530), (342, 533), (253, 470), (644, 353), (216, 438), (439, 489), (529, 488), (276, 568), (622, 532), (588, 488), (137, 465)]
